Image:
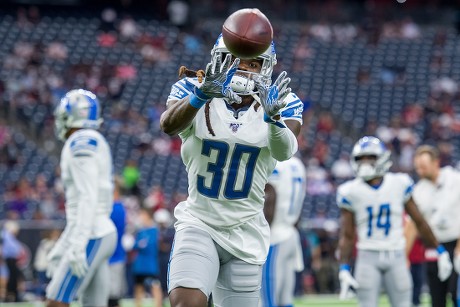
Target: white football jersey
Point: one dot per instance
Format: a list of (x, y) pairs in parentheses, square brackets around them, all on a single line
[(86, 172), (289, 182), (378, 211), (440, 203), (227, 172)]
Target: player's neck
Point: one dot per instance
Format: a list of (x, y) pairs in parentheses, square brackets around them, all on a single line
[(375, 182), (246, 102)]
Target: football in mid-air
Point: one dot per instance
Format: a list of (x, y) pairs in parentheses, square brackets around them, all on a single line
[(247, 33)]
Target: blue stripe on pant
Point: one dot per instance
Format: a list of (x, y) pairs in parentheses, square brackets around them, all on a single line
[(71, 283), (269, 278)]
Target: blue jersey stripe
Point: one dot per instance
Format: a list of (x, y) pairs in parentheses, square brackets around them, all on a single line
[(409, 190), (181, 89)]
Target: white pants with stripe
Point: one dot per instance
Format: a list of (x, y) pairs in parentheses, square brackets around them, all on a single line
[(93, 289), (198, 262)]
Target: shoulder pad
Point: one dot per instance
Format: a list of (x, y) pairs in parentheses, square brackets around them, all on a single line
[(83, 146)]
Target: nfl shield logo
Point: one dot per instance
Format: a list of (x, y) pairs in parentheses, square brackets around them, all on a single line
[(234, 127)]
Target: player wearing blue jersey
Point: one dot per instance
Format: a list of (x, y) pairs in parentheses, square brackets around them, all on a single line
[(146, 269), (235, 123), (118, 260), (284, 196), (373, 204), (78, 262)]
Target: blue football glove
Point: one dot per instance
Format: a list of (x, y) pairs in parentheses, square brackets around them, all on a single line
[(272, 96), (216, 82)]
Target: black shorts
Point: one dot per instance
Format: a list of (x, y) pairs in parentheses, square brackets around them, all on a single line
[(146, 279)]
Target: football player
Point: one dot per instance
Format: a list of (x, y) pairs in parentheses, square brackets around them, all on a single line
[(374, 203), (78, 263), (284, 196), (234, 125)]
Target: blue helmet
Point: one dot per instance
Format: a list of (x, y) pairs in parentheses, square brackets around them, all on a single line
[(370, 146), (77, 109)]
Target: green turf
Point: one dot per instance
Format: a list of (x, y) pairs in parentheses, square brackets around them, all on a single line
[(306, 301)]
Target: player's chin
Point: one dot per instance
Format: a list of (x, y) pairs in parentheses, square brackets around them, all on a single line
[(245, 99)]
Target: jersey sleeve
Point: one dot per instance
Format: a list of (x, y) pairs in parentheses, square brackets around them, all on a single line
[(408, 186), (83, 165), (181, 89), (343, 198), (293, 109)]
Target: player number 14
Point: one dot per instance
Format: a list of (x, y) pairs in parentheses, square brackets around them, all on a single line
[(383, 219)]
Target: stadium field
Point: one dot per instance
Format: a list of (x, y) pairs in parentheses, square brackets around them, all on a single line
[(306, 301)]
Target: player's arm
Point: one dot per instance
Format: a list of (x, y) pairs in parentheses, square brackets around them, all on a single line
[(284, 116), (83, 166), (190, 97), (346, 244), (178, 115), (347, 236), (410, 233), (270, 203), (444, 262), (421, 224)]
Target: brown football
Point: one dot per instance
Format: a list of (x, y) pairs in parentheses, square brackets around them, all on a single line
[(247, 33)]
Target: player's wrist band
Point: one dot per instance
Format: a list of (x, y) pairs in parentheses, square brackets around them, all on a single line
[(440, 249), (270, 120), (345, 267), (196, 101)]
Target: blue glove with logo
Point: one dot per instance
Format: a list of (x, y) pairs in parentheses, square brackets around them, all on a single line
[(217, 82), (272, 96)]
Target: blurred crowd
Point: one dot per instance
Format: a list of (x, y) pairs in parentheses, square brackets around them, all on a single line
[(41, 73)]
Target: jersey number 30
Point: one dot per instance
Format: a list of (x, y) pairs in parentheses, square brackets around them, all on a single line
[(383, 219), (216, 169)]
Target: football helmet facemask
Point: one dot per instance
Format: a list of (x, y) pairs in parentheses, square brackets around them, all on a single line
[(370, 146), (242, 82)]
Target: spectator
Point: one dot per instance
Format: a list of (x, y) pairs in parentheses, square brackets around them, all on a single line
[(131, 175), (11, 251), (341, 168), (118, 260), (41, 262), (178, 11), (145, 266), (166, 233)]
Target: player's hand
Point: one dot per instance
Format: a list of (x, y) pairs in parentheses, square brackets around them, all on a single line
[(346, 282), (444, 264), (272, 96), (77, 261), (217, 80), (53, 258), (457, 263)]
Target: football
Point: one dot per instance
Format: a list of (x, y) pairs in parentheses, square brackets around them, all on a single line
[(247, 33)]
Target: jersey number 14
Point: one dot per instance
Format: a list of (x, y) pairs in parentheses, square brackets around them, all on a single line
[(382, 221)]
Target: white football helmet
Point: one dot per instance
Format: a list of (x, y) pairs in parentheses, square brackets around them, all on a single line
[(77, 109), (242, 82), (370, 146)]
